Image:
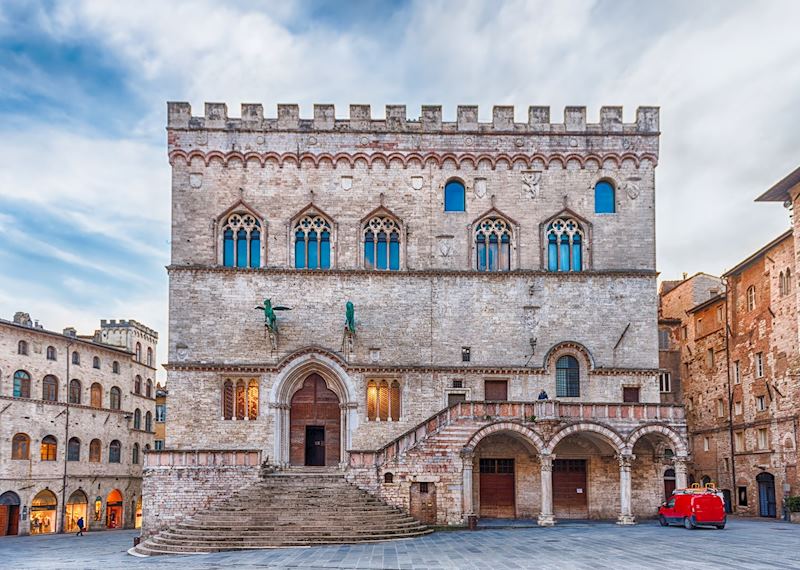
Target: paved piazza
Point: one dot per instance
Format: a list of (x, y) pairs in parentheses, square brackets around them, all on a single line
[(744, 544)]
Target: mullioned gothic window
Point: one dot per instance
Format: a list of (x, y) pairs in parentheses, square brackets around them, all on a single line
[(493, 245), (241, 241), (564, 245), (382, 244), (312, 243), (240, 399), (383, 400)]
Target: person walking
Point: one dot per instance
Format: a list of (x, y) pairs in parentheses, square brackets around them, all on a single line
[(80, 527)]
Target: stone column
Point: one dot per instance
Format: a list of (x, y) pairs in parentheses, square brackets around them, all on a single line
[(546, 470), (343, 435), (625, 515), (681, 479), (467, 456)]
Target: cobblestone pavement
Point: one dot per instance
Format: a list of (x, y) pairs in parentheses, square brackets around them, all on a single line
[(745, 543)]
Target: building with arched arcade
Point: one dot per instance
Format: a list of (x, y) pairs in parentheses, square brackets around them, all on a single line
[(460, 316), (76, 419)]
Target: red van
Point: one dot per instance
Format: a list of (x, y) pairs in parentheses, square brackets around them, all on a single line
[(694, 507)]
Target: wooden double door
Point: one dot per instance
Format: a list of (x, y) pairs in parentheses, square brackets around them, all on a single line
[(314, 424), (497, 489), (569, 489)]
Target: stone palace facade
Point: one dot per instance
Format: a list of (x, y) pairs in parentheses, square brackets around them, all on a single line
[(501, 359)]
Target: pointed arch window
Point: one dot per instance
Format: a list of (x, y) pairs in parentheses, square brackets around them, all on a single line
[(148, 421), (493, 245), (312, 243), (50, 388), (568, 378), (137, 384), (241, 241), (137, 419), (604, 198), (564, 245), (135, 454), (138, 352), (382, 244), (22, 384), (149, 356)]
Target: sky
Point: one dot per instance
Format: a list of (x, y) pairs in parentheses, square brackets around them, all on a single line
[(84, 176)]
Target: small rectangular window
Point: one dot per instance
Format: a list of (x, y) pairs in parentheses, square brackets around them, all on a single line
[(710, 357), (720, 407), (706, 444), (759, 365), (684, 332), (465, 353), (664, 382), (458, 383), (630, 394), (159, 444), (763, 438), (496, 390), (699, 327), (454, 398), (741, 494), (423, 487), (737, 408), (720, 314), (663, 339), (761, 403), (727, 464), (736, 374), (739, 441)]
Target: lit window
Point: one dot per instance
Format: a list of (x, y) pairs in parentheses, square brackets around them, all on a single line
[(759, 365), (239, 400), (312, 243), (20, 446), (49, 448), (382, 244), (604, 198), (493, 245), (567, 377), (665, 382), (564, 245), (241, 241), (454, 196), (383, 400), (252, 400)]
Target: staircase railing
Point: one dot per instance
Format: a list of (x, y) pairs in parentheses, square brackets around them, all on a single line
[(539, 410)]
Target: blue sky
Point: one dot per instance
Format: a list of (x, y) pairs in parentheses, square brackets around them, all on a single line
[(84, 178)]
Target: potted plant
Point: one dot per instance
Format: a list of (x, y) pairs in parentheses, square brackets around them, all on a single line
[(793, 504)]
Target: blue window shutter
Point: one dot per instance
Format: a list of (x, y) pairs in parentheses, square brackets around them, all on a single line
[(325, 250), (241, 248), (255, 248), (577, 261), (227, 248), (481, 252), (552, 253), (394, 252), (312, 250), (563, 253), (604, 198), (381, 257), (454, 197), (369, 250), (493, 252), (300, 250)]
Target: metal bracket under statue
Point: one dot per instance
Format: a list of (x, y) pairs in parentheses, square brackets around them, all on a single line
[(271, 321), (349, 334)]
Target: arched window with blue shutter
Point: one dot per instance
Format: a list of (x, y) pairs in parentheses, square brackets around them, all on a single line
[(241, 241), (382, 243), (565, 241), (493, 244), (312, 243), (604, 198), (454, 196)]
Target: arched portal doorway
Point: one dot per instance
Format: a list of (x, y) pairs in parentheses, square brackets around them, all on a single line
[(314, 424), (669, 483), (9, 513), (43, 513), (114, 509), (77, 505), (767, 505)]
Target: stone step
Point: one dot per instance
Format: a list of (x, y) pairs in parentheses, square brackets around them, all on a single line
[(300, 534), (208, 546)]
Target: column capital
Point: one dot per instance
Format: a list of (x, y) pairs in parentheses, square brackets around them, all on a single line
[(625, 460), (468, 454), (546, 461)]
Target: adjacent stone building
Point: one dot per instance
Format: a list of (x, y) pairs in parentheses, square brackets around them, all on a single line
[(76, 417), (425, 282), (738, 345)]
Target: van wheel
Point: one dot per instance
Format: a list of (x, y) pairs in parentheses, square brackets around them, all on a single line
[(662, 521), (720, 526), (687, 523)]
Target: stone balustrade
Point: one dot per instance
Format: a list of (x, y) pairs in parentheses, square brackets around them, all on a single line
[(202, 458)]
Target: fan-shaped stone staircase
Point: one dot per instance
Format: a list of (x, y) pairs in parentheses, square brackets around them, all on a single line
[(297, 507)]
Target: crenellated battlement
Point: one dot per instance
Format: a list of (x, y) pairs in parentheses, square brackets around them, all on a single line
[(395, 120)]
